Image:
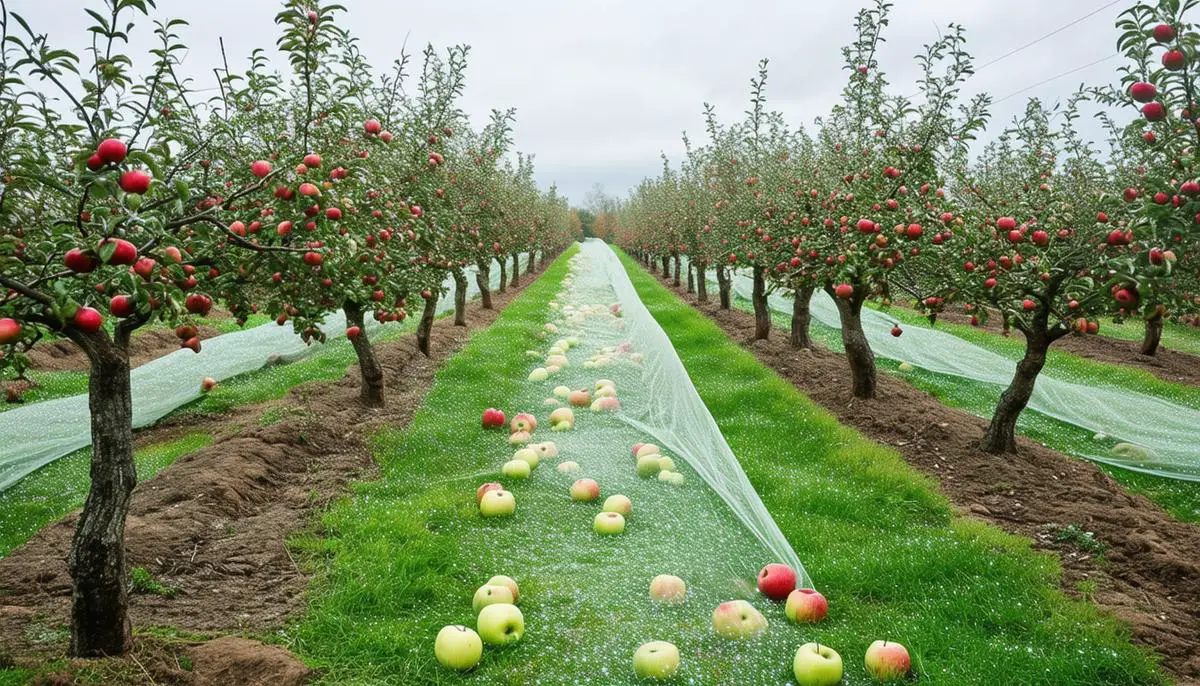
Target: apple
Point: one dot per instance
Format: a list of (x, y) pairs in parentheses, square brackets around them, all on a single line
[(605, 392), (620, 504), (580, 398), (516, 469), (493, 418), (208, 384), (519, 438), (648, 466), (906, 367), (657, 660), (562, 416), (805, 605), (646, 449), (817, 665), (490, 595), (524, 422), (601, 383), (458, 647), (738, 619), (887, 661), (585, 490), (497, 503), (666, 464), (10, 330), (134, 181), (507, 582), (567, 467), (111, 151), (636, 447), (539, 374), (562, 391), (609, 524), (776, 581), (88, 320), (545, 449), (79, 261), (482, 490), (529, 456), (665, 475), (668, 588), (501, 624), (606, 404)]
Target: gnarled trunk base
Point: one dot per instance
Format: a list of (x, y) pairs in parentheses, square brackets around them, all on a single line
[(801, 318), (858, 350), (762, 313), (425, 326), (370, 373)]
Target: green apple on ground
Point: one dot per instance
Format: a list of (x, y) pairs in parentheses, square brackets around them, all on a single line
[(887, 661), (519, 438), (585, 490), (482, 490), (458, 647), (509, 583), (562, 391), (817, 665), (490, 595), (498, 504), (646, 449), (528, 455), (609, 524), (539, 374), (656, 660), (805, 605), (621, 504), (668, 588), (738, 619), (562, 417), (666, 464), (516, 469), (649, 466), (601, 383), (567, 467), (501, 624)]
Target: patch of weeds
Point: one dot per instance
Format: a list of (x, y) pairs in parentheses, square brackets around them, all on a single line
[(1078, 537), (144, 583)]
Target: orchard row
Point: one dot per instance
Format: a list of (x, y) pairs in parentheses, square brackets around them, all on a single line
[(129, 200), (884, 198)]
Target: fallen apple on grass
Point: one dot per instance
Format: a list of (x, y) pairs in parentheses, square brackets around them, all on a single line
[(620, 504), (906, 367), (738, 619), (539, 374), (666, 464), (776, 581), (208, 384), (658, 660), (609, 524), (648, 466), (493, 418), (567, 467), (523, 422), (507, 582), (585, 490), (562, 419), (516, 469), (501, 624), (519, 438), (580, 398), (483, 490), (817, 665), (562, 391), (458, 647), (668, 588), (644, 449), (497, 504), (606, 404), (806, 606), (490, 595), (887, 661), (529, 456), (545, 449)]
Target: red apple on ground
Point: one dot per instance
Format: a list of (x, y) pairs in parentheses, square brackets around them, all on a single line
[(523, 422), (887, 661), (738, 619), (482, 490), (585, 490), (776, 581), (805, 605), (208, 384), (493, 418)]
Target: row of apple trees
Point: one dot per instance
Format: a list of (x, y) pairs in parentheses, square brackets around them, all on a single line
[(884, 199), (130, 200)]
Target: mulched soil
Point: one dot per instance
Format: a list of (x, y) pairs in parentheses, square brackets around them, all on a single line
[(1166, 364), (1149, 576), (215, 523)]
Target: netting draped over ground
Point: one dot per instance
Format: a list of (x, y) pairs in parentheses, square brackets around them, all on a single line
[(39, 433), (1166, 433), (676, 416)]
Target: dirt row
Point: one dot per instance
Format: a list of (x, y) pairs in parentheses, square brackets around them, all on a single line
[(1149, 574), (214, 525)]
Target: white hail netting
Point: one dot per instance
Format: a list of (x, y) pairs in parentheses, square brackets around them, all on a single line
[(1167, 433), (39, 433)]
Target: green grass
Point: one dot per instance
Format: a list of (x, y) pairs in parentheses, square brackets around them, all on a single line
[(402, 557), (61, 486)]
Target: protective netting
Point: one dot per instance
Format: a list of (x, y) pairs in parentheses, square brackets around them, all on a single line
[(39, 433), (1159, 437), (709, 528)]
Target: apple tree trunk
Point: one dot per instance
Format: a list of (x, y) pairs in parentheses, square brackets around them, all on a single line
[(503, 274), (1153, 337), (691, 282), (513, 280), (1000, 436), (370, 373), (460, 298), (858, 350), (666, 265), (723, 284), (483, 277), (701, 283), (100, 623), (529, 263), (425, 326), (801, 318), (762, 313), (677, 270)]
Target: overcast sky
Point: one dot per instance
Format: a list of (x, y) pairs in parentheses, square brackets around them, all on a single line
[(602, 87)]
